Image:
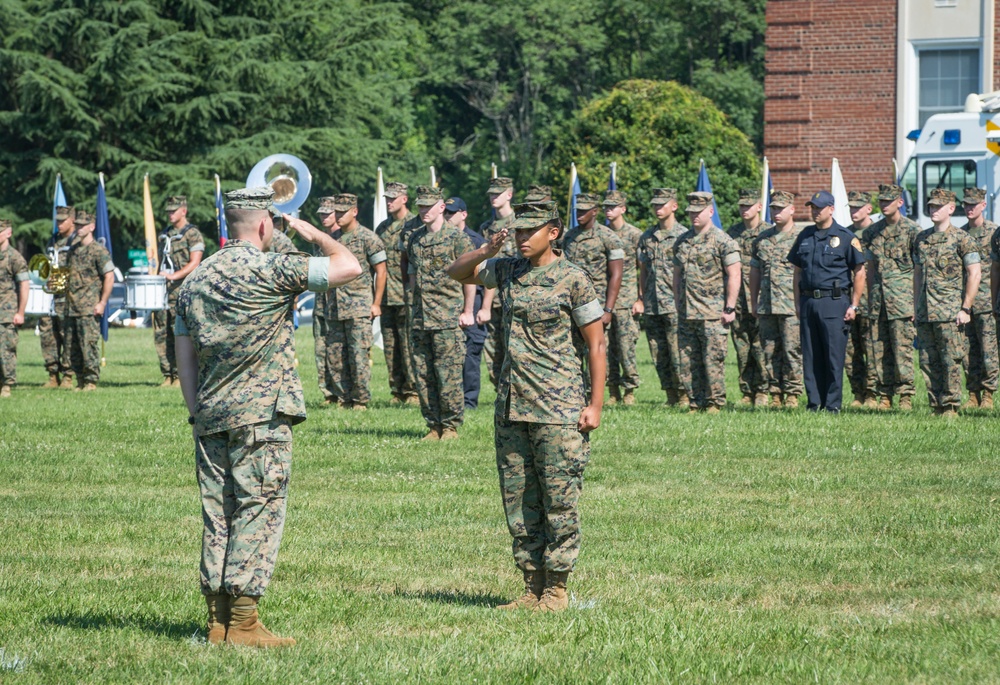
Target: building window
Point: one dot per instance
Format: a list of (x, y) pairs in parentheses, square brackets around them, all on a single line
[(954, 175), (946, 79)]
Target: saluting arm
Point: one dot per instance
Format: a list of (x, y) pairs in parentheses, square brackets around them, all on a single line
[(464, 269), (344, 266)]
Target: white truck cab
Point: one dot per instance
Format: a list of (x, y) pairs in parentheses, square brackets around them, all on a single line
[(956, 151)]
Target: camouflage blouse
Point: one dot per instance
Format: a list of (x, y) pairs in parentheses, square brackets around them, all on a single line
[(13, 272), (942, 257), (889, 252), (354, 300), (656, 253), (702, 260), (629, 235), (745, 238), (540, 381), (769, 255), (87, 266), (591, 250), (391, 232), (176, 247), (237, 309), (438, 300), (983, 238)]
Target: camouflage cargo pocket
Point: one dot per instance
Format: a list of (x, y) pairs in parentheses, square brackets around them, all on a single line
[(273, 446)]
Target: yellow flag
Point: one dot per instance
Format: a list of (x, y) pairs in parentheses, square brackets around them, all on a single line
[(150, 224)]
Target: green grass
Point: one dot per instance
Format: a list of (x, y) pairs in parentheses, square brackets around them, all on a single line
[(745, 547)]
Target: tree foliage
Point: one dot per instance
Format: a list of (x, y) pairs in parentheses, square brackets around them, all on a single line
[(657, 132)]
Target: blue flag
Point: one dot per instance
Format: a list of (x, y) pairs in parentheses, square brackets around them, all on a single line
[(58, 200), (574, 191), (705, 186), (220, 213), (767, 199), (102, 233)]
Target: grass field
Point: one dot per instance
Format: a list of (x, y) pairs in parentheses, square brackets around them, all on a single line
[(753, 546)]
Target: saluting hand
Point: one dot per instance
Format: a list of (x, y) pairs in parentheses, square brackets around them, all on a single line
[(496, 243), (305, 229)]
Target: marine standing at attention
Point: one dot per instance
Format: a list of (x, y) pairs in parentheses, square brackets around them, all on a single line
[(52, 329), (91, 277), (983, 368), (14, 287), (235, 352), (707, 280), (181, 249), (829, 280), (501, 194), (860, 356), (623, 332), (658, 307), (542, 418)]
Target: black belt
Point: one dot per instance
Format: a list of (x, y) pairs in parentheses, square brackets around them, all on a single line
[(836, 293)]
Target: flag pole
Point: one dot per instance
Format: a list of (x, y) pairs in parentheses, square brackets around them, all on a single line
[(434, 182), (765, 197), (150, 228)]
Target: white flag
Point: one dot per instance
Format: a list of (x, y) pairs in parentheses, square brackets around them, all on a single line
[(841, 212)]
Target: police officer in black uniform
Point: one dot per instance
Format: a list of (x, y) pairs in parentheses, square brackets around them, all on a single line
[(829, 280)]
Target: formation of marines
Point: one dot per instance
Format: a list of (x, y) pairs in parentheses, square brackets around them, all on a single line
[(691, 290)]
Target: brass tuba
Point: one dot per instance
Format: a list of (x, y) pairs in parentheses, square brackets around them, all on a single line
[(288, 176), (56, 277)]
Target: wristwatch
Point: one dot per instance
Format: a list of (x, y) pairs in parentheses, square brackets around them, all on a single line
[(854, 307), (729, 310), (609, 311), (967, 310)]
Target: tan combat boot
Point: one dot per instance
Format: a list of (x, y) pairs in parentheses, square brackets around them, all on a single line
[(412, 400), (395, 401), (167, 382), (614, 396), (791, 401), (359, 407), (449, 434), (871, 401), (972, 402), (53, 381), (534, 585), (986, 399), (246, 629), (433, 434), (905, 403), (775, 400), (671, 398), (949, 411), (682, 399), (747, 400), (175, 382), (885, 403), (554, 597), (67, 383), (218, 618), (89, 387), (760, 400), (856, 403), (712, 409), (628, 399), (5, 391)]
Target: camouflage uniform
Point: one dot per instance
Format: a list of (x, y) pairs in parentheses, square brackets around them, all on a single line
[(319, 326), (438, 343), (540, 453), (889, 253), (982, 370), (494, 332), (52, 329), (281, 243), (942, 257), (744, 329), (87, 266), (176, 248), (779, 326), (249, 396), (13, 272), (702, 259), (656, 253), (859, 361), (592, 250), (623, 333), (348, 317), (393, 322)]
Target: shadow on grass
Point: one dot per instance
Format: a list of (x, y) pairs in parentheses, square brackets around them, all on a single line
[(453, 597), (383, 432), (100, 621)]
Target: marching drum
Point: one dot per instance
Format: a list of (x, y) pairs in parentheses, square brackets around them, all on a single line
[(147, 293), (39, 302)]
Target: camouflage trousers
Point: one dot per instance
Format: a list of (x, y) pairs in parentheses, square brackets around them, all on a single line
[(623, 334), (703, 347), (348, 342), (243, 477), (396, 342), (55, 352), (859, 362), (85, 347), (749, 354), (438, 362), (661, 334), (319, 351), (541, 475), (893, 356), (8, 354), (944, 345), (163, 341), (496, 345), (782, 345), (981, 370)]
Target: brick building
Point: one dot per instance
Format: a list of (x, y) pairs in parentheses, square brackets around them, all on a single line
[(851, 78)]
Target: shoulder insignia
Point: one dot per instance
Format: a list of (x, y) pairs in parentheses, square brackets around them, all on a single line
[(856, 244)]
